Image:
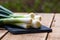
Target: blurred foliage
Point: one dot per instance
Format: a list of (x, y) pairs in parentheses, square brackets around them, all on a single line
[(46, 6)]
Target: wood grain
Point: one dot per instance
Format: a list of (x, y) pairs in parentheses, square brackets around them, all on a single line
[(2, 33), (46, 20), (55, 35)]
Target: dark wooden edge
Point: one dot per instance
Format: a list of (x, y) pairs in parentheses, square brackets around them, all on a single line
[(3, 35), (50, 26)]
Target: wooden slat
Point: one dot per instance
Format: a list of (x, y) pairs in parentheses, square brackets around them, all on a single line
[(46, 20), (55, 35), (2, 33)]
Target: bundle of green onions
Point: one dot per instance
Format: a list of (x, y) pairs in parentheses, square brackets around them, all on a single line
[(25, 21)]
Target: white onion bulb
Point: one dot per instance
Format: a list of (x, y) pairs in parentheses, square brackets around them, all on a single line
[(36, 23)]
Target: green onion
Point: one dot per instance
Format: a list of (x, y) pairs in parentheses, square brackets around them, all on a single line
[(23, 25), (6, 10), (4, 13), (36, 23), (16, 20), (4, 16), (38, 17)]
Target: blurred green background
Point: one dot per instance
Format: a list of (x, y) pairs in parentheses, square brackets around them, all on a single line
[(45, 6)]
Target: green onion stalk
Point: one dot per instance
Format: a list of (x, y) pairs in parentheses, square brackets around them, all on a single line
[(15, 20)]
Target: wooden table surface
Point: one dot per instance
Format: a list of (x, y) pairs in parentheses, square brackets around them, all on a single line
[(50, 20)]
